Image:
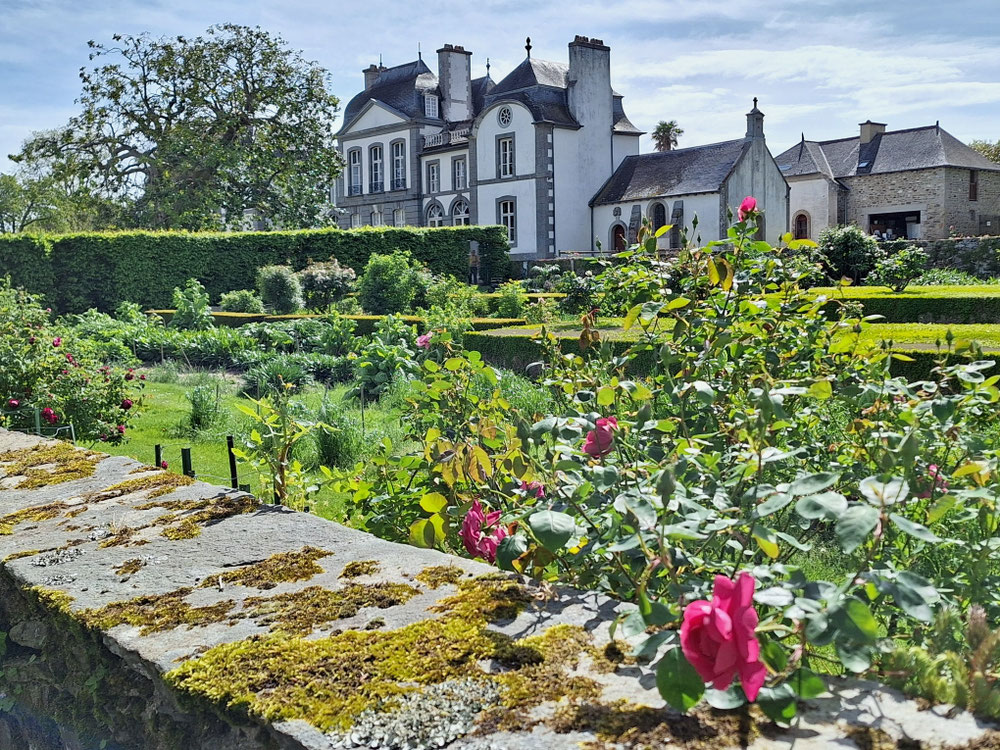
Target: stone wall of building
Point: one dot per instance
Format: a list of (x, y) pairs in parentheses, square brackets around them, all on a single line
[(965, 217), (918, 190)]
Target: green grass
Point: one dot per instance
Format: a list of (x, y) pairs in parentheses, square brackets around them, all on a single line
[(163, 416), (912, 292), (926, 335)]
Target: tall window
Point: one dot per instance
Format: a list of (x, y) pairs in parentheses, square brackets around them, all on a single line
[(376, 177), (973, 185), (399, 218), (505, 157), (659, 216), (433, 178), (801, 227), (355, 221), (507, 217), (460, 214), (355, 159), (377, 217), (618, 238), (430, 105), (459, 180), (399, 165), (435, 216)]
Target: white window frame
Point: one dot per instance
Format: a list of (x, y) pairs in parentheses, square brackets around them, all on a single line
[(376, 171), (355, 221), (399, 217), (435, 216), (354, 156), (459, 169), (434, 177), (398, 164), (431, 106), (460, 218), (505, 157), (376, 217), (507, 218)]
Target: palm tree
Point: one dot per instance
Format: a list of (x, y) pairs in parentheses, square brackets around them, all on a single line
[(666, 135)]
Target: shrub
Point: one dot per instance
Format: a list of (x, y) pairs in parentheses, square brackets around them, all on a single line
[(848, 252), (241, 301), (899, 269), (338, 336), (271, 376), (512, 300), (325, 283), (389, 355), (191, 309), (205, 403), (279, 289), (389, 284), (444, 291), (950, 277), (341, 442)]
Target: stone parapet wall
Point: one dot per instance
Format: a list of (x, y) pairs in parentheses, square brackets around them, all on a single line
[(146, 611), (976, 255)]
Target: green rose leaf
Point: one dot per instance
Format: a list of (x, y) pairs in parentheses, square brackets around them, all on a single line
[(678, 682), (914, 529), (813, 483), (726, 700), (778, 703), (552, 528), (881, 493), (806, 683), (830, 505), (854, 526), (511, 548)]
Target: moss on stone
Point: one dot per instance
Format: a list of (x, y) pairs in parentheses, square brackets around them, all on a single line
[(58, 601), (299, 612), (129, 567), (156, 613), (23, 553), (437, 576), (121, 536), (185, 529), (156, 485), (280, 568), (74, 512), (493, 597), (360, 568), (33, 514), (48, 463)]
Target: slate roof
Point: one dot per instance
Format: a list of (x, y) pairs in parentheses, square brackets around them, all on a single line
[(683, 171), (892, 151), (621, 122), (480, 88), (534, 72), (401, 88)]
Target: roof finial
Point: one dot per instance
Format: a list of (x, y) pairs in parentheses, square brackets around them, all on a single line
[(487, 67), (755, 102), (527, 45), (420, 55), (380, 59)]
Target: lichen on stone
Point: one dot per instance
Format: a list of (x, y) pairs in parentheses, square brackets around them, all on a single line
[(130, 567), (360, 568), (299, 612), (283, 567), (437, 576), (47, 464), (155, 613), (492, 596), (33, 514)]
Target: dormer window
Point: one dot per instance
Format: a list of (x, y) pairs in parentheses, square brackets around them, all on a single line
[(431, 105)]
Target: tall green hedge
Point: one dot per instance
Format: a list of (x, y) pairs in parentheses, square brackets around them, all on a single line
[(80, 271)]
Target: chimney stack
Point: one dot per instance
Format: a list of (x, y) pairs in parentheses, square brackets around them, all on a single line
[(871, 129), (371, 73), (455, 82)]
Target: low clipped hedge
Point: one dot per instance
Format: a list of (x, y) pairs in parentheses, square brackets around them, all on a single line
[(80, 271), (928, 304), (365, 323)]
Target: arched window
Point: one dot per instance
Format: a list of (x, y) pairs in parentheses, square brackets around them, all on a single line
[(659, 215), (618, 238), (801, 227), (460, 214), (435, 216), (376, 217)]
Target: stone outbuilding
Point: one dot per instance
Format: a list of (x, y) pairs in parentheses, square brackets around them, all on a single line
[(675, 186), (919, 183)]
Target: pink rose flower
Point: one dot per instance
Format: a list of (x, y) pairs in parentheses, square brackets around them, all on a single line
[(126, 404), (476, 532), (121, 429), (747, 207), (938, 482), (163, 464), (142, 377), (424, 341), (57, 341), (13, 403), (535, 488), (717, 637), (600, 439), (49, 415)]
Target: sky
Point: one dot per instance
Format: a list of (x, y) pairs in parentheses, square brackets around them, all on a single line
[(818, 66)]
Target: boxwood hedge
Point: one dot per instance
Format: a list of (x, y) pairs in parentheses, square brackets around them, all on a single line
[(80, 271)]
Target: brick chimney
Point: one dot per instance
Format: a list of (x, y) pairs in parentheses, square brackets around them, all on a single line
[(371, 73), (871, 129), (455, 82)]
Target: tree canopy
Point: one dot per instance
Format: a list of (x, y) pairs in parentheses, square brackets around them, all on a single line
[(989, 149), (199, 133), (666, 134)]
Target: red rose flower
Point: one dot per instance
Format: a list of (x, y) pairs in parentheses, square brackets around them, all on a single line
[(600, 439), (126, 404), (476, 533), (13, 403), (747, 207), (718, 639), (163, 464), (121, 429), (57, 341), (49, 415)]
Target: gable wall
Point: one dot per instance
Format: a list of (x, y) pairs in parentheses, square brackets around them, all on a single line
[(757, 174)]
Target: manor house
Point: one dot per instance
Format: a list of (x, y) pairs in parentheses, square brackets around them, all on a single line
[(548, 152)]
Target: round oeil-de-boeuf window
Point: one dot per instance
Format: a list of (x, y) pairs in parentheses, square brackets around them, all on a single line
[(504, 117)]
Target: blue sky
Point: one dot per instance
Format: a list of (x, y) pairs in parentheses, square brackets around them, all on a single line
[(818, 66)]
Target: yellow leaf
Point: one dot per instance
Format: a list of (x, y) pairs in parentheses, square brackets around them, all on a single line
[(664, 229), (713, 272)]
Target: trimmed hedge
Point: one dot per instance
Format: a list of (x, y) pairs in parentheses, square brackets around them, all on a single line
[(365, 323), (80, 271), (928, 304)]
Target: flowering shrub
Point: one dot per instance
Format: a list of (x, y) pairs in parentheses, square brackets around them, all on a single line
[(53, 372), (765, 440), (899, 269)]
